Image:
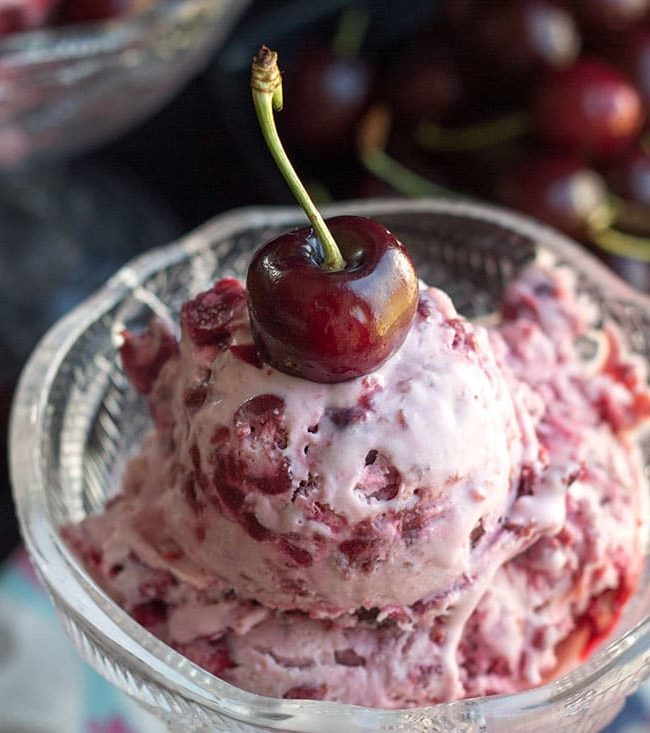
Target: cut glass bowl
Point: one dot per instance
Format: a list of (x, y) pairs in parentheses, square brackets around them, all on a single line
[(76, 420), (66, 89)]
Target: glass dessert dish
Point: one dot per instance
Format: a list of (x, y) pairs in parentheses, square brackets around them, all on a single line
[(76, 421), (64, 89)]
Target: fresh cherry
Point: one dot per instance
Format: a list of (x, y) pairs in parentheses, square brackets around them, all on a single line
[(558, 189), (589, 108), (332, 301), (331, 325)]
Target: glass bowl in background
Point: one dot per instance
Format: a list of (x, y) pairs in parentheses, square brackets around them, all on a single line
[(65, 89), (75, 421)]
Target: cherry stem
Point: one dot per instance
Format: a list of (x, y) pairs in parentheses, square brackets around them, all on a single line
[(631, 215), (372, 137), (351, 33), (622, 244), (473, 137), (614, 241), (266, 88)]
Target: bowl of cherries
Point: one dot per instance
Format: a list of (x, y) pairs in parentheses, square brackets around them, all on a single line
[(539, 105), (74, 73)]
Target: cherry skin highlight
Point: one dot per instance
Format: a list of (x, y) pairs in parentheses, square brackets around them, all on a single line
[(330, 325), (589, 108)]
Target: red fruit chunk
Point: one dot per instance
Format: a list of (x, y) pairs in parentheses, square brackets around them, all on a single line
[(306, 693), (248, 354), (150, 614), (228, 493), (207, 318), (256, 530), (296, 554), (343, 417), (589, 108), (259, 424), (144, 354), (381, 480), (361, 551), (210, 654)]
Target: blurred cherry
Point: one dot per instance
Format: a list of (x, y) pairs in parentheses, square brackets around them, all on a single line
[(424, 84), (631, 52), (610, 15), (589, 108), (520, 37), (629, 176), (326, 96), (556, 188)]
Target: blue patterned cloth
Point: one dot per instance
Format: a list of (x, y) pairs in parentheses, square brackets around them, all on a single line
[(44, 684)]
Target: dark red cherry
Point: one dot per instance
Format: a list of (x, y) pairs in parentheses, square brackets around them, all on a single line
[(521, 37), (590, 108), (631, 52), (610, 15), (424, 84), (327, 325), (326, 96), (86, 11), (629, 176), (556, 188)]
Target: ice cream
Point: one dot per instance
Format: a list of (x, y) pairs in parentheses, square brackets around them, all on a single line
[(440, 528)]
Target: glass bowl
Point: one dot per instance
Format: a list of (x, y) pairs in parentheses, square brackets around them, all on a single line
[(65, 89), (75, 421)]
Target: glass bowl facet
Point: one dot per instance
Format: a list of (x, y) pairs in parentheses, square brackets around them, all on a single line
[(65, 89), (75, 421)]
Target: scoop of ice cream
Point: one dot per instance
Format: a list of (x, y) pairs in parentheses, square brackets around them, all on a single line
[(377, 492), (462, 522)]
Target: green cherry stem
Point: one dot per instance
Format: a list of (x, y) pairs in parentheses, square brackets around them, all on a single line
[(601, 232), (351, 33), (266, 88), (372, 136), (473, 137)]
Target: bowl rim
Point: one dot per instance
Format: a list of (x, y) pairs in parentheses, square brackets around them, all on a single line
[(172, 671), (103, 37)]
